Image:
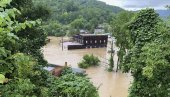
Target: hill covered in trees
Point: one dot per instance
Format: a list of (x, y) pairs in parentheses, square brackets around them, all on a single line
[(77, 14)]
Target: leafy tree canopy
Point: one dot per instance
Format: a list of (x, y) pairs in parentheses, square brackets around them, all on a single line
[(148, 59), (21, 60)]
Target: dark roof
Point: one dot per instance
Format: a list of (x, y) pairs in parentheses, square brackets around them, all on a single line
[(93, 35)]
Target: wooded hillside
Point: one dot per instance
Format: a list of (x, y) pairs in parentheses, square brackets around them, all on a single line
[(77, 14)]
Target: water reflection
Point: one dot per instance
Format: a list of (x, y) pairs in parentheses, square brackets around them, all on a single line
[(111, 84)]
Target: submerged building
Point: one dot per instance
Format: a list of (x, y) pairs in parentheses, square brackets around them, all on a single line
[(88, 41)]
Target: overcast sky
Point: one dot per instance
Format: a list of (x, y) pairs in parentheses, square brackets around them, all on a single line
[(138, 4)]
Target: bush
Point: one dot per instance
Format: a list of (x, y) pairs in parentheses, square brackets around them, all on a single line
[(71, 85), (69, 70), (89, 60), (66, 70), (83, 65)]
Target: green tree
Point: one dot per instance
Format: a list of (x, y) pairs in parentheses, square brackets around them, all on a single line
[(23, 69), (78, 23), (53, 28), (120, 32), (89, 60), (16, 66), (75, 12), (34, 38), (111, 61), (148, 59), (70, 85)]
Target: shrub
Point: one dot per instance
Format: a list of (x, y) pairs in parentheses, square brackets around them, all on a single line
[(71, 85), (66, 70), (69, 70), (83, 65), (89, 60)]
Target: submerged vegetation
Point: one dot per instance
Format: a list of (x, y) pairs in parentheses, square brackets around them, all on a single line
[(119, 26), (89, 60), (111, 63)]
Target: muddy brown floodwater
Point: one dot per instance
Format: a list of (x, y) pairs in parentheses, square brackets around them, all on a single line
[(111, 84)]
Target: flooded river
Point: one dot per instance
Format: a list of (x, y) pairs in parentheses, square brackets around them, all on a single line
[(111, 84)]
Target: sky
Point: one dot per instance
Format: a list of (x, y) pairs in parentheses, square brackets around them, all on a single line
[(138, 4)]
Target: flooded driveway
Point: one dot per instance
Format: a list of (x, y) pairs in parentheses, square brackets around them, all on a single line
[(111, 84)]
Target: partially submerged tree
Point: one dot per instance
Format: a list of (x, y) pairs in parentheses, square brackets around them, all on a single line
[(120, 32), (89, 60), (111, 61)]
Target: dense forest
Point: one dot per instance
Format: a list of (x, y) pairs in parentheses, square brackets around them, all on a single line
[(69, 16)]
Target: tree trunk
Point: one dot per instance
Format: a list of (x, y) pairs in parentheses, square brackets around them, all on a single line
[(117, 65)]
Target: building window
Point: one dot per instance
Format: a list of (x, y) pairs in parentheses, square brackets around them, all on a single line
[(86, 41)]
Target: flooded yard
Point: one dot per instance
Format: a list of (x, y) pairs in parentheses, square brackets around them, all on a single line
[(111, 84)]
